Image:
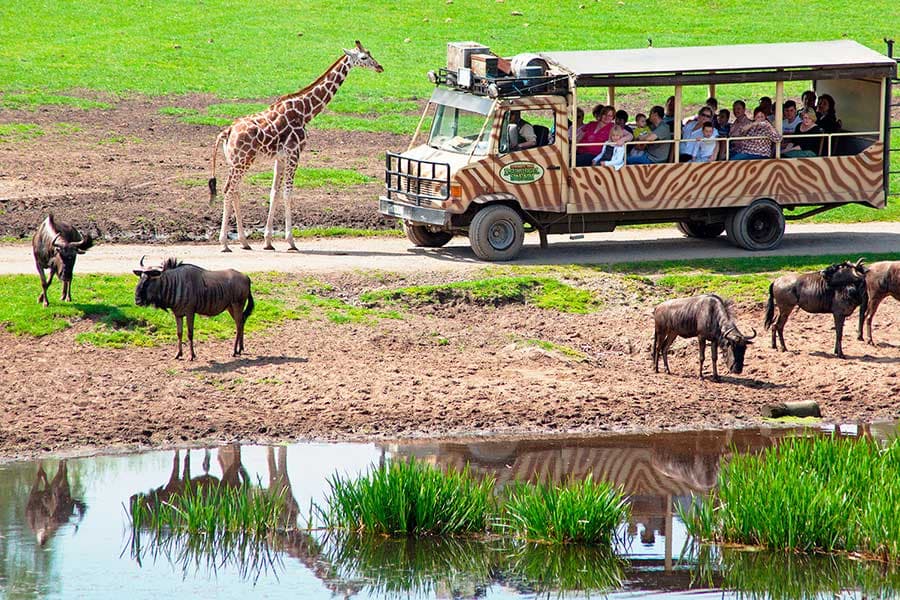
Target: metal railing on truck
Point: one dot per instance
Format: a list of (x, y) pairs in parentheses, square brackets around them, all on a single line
[(418, 180)]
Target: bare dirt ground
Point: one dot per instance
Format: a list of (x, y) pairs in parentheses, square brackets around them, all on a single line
[(134, 174), (455, 369)]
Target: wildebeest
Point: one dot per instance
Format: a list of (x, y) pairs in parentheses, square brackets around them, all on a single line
[(188, 290), (708, 318), (882, 280), (837, 289), (56, 245)]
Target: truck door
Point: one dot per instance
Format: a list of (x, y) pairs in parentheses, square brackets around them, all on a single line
[(531, 160)]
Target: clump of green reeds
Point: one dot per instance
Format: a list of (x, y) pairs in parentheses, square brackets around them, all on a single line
[(409, 497), (584, 511), (822, 494), (212, 510)]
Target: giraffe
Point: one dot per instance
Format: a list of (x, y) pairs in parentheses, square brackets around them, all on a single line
[(278, 132)]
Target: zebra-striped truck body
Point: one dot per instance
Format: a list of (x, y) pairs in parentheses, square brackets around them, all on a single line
[(188, 290), (465, 174)]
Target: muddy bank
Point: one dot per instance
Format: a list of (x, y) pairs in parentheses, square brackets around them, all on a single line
[(448, 370)]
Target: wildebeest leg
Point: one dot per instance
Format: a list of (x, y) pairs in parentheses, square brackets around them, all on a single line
[(702, 344), (67, 291), (44, 284), (658, 342), (190, 327), (715, 357), (838, 334), (870, 312), (238, 316), (783, 315), (179, 326), (277, 176), (667, 344)]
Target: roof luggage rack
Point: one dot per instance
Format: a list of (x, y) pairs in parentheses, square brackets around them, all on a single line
[(501, 87)]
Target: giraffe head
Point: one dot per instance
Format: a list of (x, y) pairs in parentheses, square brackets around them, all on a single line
[(360, 57)]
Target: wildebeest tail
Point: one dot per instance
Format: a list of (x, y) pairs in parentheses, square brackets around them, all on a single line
[(212, 180), (770, 307), (248, 310)]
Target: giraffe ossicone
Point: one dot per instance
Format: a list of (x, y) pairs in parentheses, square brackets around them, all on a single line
[(278, 132)]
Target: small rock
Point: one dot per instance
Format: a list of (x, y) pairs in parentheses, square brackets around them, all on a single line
[(177, 46), (299, 34), (406, 40), (516, 13), (448, 20)]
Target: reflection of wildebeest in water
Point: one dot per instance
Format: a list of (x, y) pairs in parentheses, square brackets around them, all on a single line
[(50, 503)]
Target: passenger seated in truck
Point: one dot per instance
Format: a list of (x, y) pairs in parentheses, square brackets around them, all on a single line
[(706, 148), (765, 134), (613, 154), (692, 130), (594, 134), (622, 121), (723, 127), (827, 118), (521, 133), (655, 152), (805, 147), (640, 125)]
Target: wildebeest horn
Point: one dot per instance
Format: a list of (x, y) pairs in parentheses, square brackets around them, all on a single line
[(53, 243), (751, 336), (859, 262), (142, 260)]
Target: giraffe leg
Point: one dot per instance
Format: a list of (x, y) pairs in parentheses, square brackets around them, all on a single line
[(242, 237), (227, 203), (293, 161), (278, 175)]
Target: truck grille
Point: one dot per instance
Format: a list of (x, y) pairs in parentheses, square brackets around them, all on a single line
[(416, 181)]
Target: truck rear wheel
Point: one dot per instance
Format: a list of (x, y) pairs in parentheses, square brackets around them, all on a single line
[(699, 229), (423, 237), (496, 233), (759, 226)]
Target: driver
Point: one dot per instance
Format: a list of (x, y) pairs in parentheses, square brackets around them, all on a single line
[(521, 133)]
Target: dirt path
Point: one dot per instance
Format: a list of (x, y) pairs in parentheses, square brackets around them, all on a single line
[(399, 256)]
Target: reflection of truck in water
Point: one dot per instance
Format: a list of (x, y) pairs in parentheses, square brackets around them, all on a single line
[(469, 173)]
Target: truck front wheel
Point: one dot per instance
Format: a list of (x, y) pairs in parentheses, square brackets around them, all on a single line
[(425, 238), (496, 233)]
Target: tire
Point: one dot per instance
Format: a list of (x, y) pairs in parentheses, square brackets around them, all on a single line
[(699, 229), (423, 237), (759, 226), (496, 233)]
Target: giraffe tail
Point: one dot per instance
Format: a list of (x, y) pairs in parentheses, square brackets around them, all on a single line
[(212, 180)]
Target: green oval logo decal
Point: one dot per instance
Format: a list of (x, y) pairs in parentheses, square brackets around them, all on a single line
[(521, 172)]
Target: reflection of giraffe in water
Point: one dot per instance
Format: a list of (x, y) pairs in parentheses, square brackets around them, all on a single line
[(233, 475), (50, 503)]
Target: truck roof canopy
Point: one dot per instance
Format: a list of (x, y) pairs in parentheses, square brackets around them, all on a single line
[(839, 59)]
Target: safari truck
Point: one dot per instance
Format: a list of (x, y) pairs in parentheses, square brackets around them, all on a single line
[(463, 173)]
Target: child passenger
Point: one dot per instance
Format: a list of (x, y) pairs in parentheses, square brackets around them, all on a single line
[(613, 153), (706, 145), (640, 125)]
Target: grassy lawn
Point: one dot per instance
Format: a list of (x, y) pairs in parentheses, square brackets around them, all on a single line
[(108, 302), (266, 48)]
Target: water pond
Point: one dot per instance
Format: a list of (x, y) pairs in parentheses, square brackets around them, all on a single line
[(65, 533)]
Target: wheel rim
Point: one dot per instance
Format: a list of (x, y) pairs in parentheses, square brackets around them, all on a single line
[(763, 226), (502, 234)]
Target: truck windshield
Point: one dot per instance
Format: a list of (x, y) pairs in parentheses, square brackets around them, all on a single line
[(457, 130)]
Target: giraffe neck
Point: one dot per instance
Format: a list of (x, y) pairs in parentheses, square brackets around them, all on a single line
[(312, 99)]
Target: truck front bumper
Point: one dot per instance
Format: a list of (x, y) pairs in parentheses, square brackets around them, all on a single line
[(415, 214)]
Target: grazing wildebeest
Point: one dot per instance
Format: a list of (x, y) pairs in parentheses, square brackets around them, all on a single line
[(188, 290), (837, 289), (56, 245), (706, 317), (882, 280)]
